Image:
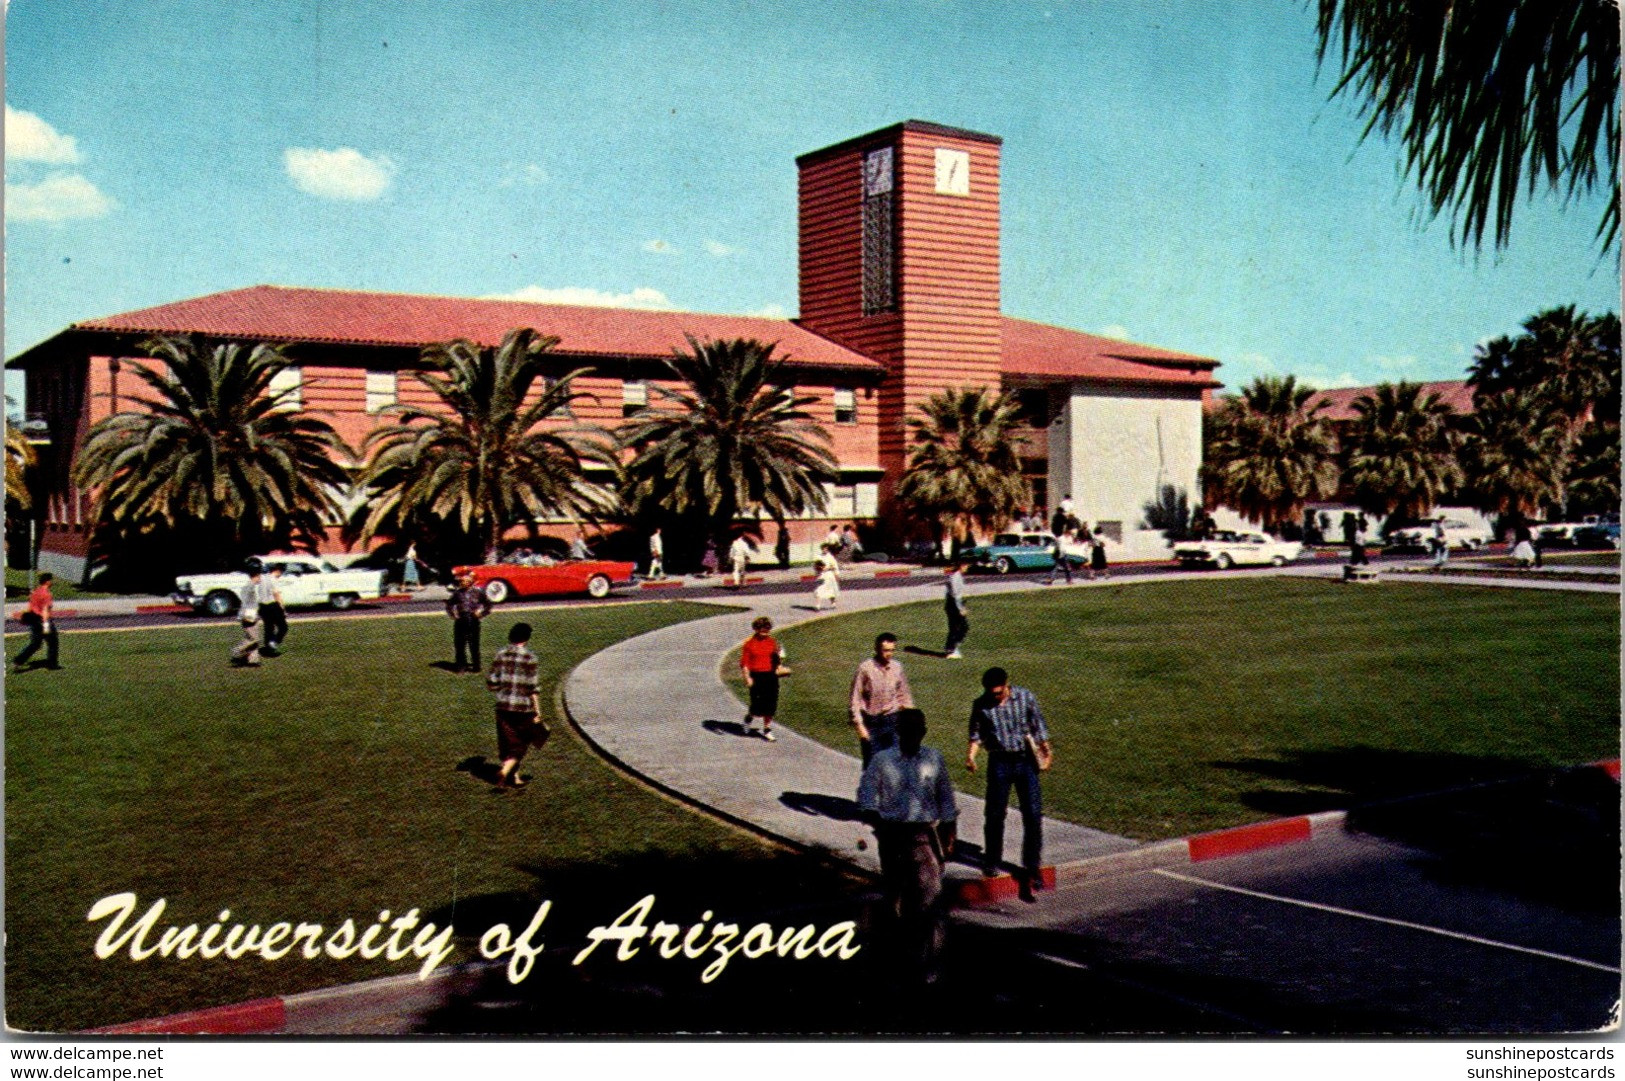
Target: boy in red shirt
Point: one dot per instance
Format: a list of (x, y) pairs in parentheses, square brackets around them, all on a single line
[(759, 659), (41, 626)]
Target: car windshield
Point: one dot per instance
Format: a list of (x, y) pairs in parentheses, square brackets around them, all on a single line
[(1006, 540), (329, 568)]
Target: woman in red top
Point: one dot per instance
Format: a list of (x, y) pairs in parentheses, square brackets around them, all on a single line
[(760, 658)]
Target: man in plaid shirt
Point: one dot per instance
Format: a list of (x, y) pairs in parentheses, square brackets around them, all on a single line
[(1007, 722), (519, 724)]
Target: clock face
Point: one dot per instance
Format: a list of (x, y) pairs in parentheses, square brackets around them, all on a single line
[(877, 171), (953, 171)]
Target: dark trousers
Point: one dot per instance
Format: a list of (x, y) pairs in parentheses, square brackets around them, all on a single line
[(1357, 556), (276, 625), (882, 734), (1063, 565), (911, 873), (465, 636), (958, 627), (38, 636), (1007, 770)]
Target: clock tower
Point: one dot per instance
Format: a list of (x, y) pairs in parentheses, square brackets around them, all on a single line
[(900, 262)]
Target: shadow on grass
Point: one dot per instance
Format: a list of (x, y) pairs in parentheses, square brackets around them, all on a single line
[(1546, 834)]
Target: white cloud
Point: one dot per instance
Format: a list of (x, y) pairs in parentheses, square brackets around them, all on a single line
[(530, 175), (1115, 330), (659, 247), (770, 311), (640, 297), (344, 173), (1393, 364), (28, 138), (59, 197), (719, 249)]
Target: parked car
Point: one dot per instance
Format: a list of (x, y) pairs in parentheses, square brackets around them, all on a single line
[(1596, 535), (1022, 552), (1593, 530), (1457, 534), (306, 580), (1226, 549), (546, 577)]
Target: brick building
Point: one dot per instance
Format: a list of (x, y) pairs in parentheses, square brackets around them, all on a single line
[(900, 299)]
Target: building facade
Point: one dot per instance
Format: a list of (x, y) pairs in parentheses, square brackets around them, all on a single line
[(900, 299)]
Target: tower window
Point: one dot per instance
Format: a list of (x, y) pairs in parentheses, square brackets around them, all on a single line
[(846, 405), (879, 234), (380, 391)]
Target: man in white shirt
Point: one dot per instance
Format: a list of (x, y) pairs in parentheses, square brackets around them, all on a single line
[(739, 558), (247, 652)]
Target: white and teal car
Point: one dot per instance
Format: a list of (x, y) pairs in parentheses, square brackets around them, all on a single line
[(1023, 552), (1226, 549), (306, 580)]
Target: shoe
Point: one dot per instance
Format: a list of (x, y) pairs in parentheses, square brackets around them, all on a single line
[(1025, 892), (767, 734), (53, 668), (955, 656)]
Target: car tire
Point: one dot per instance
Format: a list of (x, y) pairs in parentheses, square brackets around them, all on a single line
[(1223, 561), (598, 586), (220, 602), (1277, 561), (1004, 565), (497, 591), (341, 601)]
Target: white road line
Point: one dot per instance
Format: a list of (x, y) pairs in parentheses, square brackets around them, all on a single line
[(1384, 919)]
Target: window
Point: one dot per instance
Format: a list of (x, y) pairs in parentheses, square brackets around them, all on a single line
[(1034, 405), (846, 405), (287, 387), (380, 391), (879, 234), (843, 501), (634, 397)]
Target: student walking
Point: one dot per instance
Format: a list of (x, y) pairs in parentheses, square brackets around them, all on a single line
[(41, 625), (272, 614), (760, 659), (906, 795), (1440, 544), (829, 579), (466, 606), (954, 605), (1007, 722), (520, 727), (1097, 555), (781, 547), (657, 556), (247, 651), (880, 692), (739, 558), (410, 580), (1063, 562)]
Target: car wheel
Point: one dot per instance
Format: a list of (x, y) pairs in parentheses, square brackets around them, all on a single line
[(220, 602), (1004, 565), (1224, 562), (497, 591), (1278, 561), (341, 601), (598, 586)]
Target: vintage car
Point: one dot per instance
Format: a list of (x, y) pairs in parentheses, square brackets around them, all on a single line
[(306, 580), (1226, 549), (1023, 552), (1592, 531), (1457, 534), (544, 577)]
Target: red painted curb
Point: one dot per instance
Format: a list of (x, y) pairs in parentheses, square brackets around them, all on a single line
[(1609, 766), (893, 574), (971, 892), (394, 598), (664, 583), (1220, 843), (749, 581), (163, 608), (256, 1015), (809, 577)]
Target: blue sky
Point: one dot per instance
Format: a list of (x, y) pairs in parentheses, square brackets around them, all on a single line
[(1172, 172)]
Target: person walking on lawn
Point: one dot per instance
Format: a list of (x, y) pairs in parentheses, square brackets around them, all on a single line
[(520, 727), (466, 606), (906, 795), (247, 652), (760, 659), (829, 579), (41, 625), (274, 616), (880, 691), (954, 605), (657, 556), (1006, 720)]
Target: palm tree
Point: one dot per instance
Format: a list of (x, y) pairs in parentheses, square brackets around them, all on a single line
[(731, 440), (484, 463), (19, 460), (964, 472), (1402, 458), (1592, 482), (1570, 358), (1267, 452), (214, 456), (1487, 97), (1514, 454)]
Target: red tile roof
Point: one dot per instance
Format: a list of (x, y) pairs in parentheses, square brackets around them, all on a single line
[(1339, 403), (1041, 351), (277, 313)]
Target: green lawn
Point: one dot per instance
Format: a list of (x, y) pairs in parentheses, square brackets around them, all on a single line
[(1180, 707), (17, 586), (324, 786)]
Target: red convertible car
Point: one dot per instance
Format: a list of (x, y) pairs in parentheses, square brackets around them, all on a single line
[(504, 581)]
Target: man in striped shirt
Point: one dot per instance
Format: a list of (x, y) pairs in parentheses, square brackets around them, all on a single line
[(879, 691), (1006, 721), (519, 725)]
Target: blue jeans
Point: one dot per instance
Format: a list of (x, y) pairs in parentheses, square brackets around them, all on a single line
[(1004, 771), (882, 734)]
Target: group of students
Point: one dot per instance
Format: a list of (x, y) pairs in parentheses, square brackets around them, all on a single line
[(260, 613)]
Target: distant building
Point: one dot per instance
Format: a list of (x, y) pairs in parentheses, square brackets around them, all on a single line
[(900, 299)]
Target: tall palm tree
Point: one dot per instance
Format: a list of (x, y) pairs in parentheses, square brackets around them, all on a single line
[(19, 460), (964, 472), (730, 440), (1571, 359), (1268, 451), (1402, 454), (213, 455), (1514, 454), (484, 462), (1592, 483), (1487, 97)]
